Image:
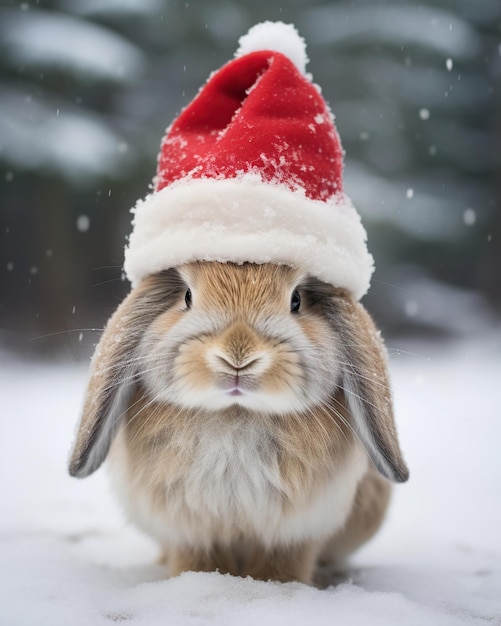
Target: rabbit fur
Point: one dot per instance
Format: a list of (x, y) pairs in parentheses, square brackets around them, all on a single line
[(245, 434)]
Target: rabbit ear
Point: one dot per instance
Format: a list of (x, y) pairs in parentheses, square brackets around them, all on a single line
[(365, 385), (115, 369)]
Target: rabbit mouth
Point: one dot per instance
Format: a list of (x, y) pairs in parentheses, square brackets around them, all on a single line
[(237, 389), (236, 385)]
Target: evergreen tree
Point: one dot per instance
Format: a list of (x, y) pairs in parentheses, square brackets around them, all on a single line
[(87, 89)]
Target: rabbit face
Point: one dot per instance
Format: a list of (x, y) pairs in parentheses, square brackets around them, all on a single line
[(248, 335)]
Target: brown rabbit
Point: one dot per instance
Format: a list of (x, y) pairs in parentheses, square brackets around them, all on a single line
[(241, 390), (245, 409)]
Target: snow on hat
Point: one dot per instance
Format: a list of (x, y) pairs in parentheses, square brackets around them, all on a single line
[(251, 171)]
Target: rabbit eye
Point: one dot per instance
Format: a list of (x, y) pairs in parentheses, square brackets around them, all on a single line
[(188, 298), (295, 301)]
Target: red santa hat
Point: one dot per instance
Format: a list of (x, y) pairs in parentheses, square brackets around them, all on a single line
[(251, 171)]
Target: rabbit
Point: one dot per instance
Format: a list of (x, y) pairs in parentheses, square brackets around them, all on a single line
[(246, 414)]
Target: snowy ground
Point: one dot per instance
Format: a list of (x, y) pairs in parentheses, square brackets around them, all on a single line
[(67, 556)]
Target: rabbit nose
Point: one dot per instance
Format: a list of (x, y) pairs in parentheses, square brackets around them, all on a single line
[(239, 351), (229, 360)]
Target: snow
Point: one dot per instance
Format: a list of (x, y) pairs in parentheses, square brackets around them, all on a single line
[(78, 145), (83, 223), (394, 23), (42, 39), (134, 8), (68, 557), (276, 36), (469, 217), (436, 214)]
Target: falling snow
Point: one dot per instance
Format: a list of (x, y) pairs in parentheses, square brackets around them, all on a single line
[(83, 223), (411, 308), (469, 217)]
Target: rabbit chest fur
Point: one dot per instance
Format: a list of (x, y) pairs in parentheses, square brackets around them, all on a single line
[(229, 477)]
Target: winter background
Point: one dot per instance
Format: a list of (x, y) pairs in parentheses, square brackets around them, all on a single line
[(86, 91)]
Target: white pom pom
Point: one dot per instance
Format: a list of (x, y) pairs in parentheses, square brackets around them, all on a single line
[(277, 36)]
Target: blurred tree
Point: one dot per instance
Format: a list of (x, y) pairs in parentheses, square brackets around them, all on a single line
[(416, 94), (87, 88)]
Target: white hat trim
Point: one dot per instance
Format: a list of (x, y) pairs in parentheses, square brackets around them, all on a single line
[(243, 220)]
